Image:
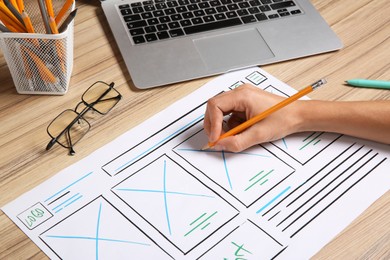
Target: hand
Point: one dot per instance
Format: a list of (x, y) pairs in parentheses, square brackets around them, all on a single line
[(243, 103)]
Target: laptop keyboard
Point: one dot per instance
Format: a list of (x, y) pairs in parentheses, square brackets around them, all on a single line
[(153, 20)]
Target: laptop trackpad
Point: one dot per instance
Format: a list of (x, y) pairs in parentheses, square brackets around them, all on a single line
[(235, 49)]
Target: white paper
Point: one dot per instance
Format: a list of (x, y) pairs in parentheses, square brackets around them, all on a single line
[(154, 194)]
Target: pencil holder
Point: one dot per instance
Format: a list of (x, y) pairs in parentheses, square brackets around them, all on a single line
[(40, 63)]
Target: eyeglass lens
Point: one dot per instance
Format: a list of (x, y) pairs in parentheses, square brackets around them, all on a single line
[(108, 97), (68, 129), (70, 126)]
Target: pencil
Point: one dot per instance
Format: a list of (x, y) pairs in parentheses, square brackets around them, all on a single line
[(53, 25), (6, 14), (3, 28), (264, 114), (14, 10), (43, 71), (20, 4), (27, 22), (67, 21), (49, 6), (63, 10), (10, 21)]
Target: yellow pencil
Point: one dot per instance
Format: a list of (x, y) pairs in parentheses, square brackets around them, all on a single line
[(9, 18), (20, 4), (27, 22), (49, 6), (53, 25), (269, 111), (44, 72), (63, 10)]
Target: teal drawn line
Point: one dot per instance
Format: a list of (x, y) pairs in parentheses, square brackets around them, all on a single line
[(264, 182), (310, 141), (204, 227), (201, 216), (317, 142), (271, 201), (241, 248), (304, 140), (167, 192), (157, 144), (256, 175), (69, 186), (201, 223), (257, 181)]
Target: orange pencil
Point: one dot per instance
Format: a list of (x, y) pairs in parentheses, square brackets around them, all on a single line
[(63, 10), (53, 25), (264, 114), (49, 6), (20, 4), (44, 72), (27, 22), (9, 19)]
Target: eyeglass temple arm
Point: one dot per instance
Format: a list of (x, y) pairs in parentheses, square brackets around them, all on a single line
[(51, 143)]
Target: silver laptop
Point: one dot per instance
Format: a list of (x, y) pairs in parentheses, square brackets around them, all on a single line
[(169, 41)]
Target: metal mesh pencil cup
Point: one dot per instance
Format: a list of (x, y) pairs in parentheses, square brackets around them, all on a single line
[(39, 63)]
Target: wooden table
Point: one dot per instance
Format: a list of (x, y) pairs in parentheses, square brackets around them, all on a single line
[(363, 26)]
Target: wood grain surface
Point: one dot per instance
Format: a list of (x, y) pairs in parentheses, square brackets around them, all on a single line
[(363, 26)]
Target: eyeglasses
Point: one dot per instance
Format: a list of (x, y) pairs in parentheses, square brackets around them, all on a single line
[(70, 126)]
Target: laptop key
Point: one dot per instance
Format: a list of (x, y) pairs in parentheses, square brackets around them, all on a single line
[(296, 12), (136, 24), (248, 19), (138, 39), (138, 31), (282, 5), (261, 17), (150, 37), (163, 35), (132, 18), (176, 32), (212, 26)]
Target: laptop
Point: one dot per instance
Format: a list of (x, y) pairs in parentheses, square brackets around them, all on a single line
[(169, 41)]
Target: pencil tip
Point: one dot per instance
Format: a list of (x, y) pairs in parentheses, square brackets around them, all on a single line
[(206, 147)]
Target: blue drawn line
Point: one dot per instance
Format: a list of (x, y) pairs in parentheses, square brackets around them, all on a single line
[(165, 197), (66, 201), (167, 192), (67, 187), (162, 141), (226, 170), (71, 202), (213, 151), (285, 143), (100, 238), (97, 231), (271, 201), (76, 199)]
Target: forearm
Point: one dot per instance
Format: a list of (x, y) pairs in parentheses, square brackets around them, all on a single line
[(363, 119)]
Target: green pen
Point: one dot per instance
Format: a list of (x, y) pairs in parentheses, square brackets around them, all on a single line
[(368, 83)]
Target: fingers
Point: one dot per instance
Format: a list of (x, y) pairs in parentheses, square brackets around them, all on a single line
[(241, 141), (217, 108)]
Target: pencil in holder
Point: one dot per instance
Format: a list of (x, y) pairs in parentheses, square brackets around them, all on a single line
[(39, 62)]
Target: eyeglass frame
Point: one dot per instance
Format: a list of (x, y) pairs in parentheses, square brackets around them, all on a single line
[(80, 114)]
